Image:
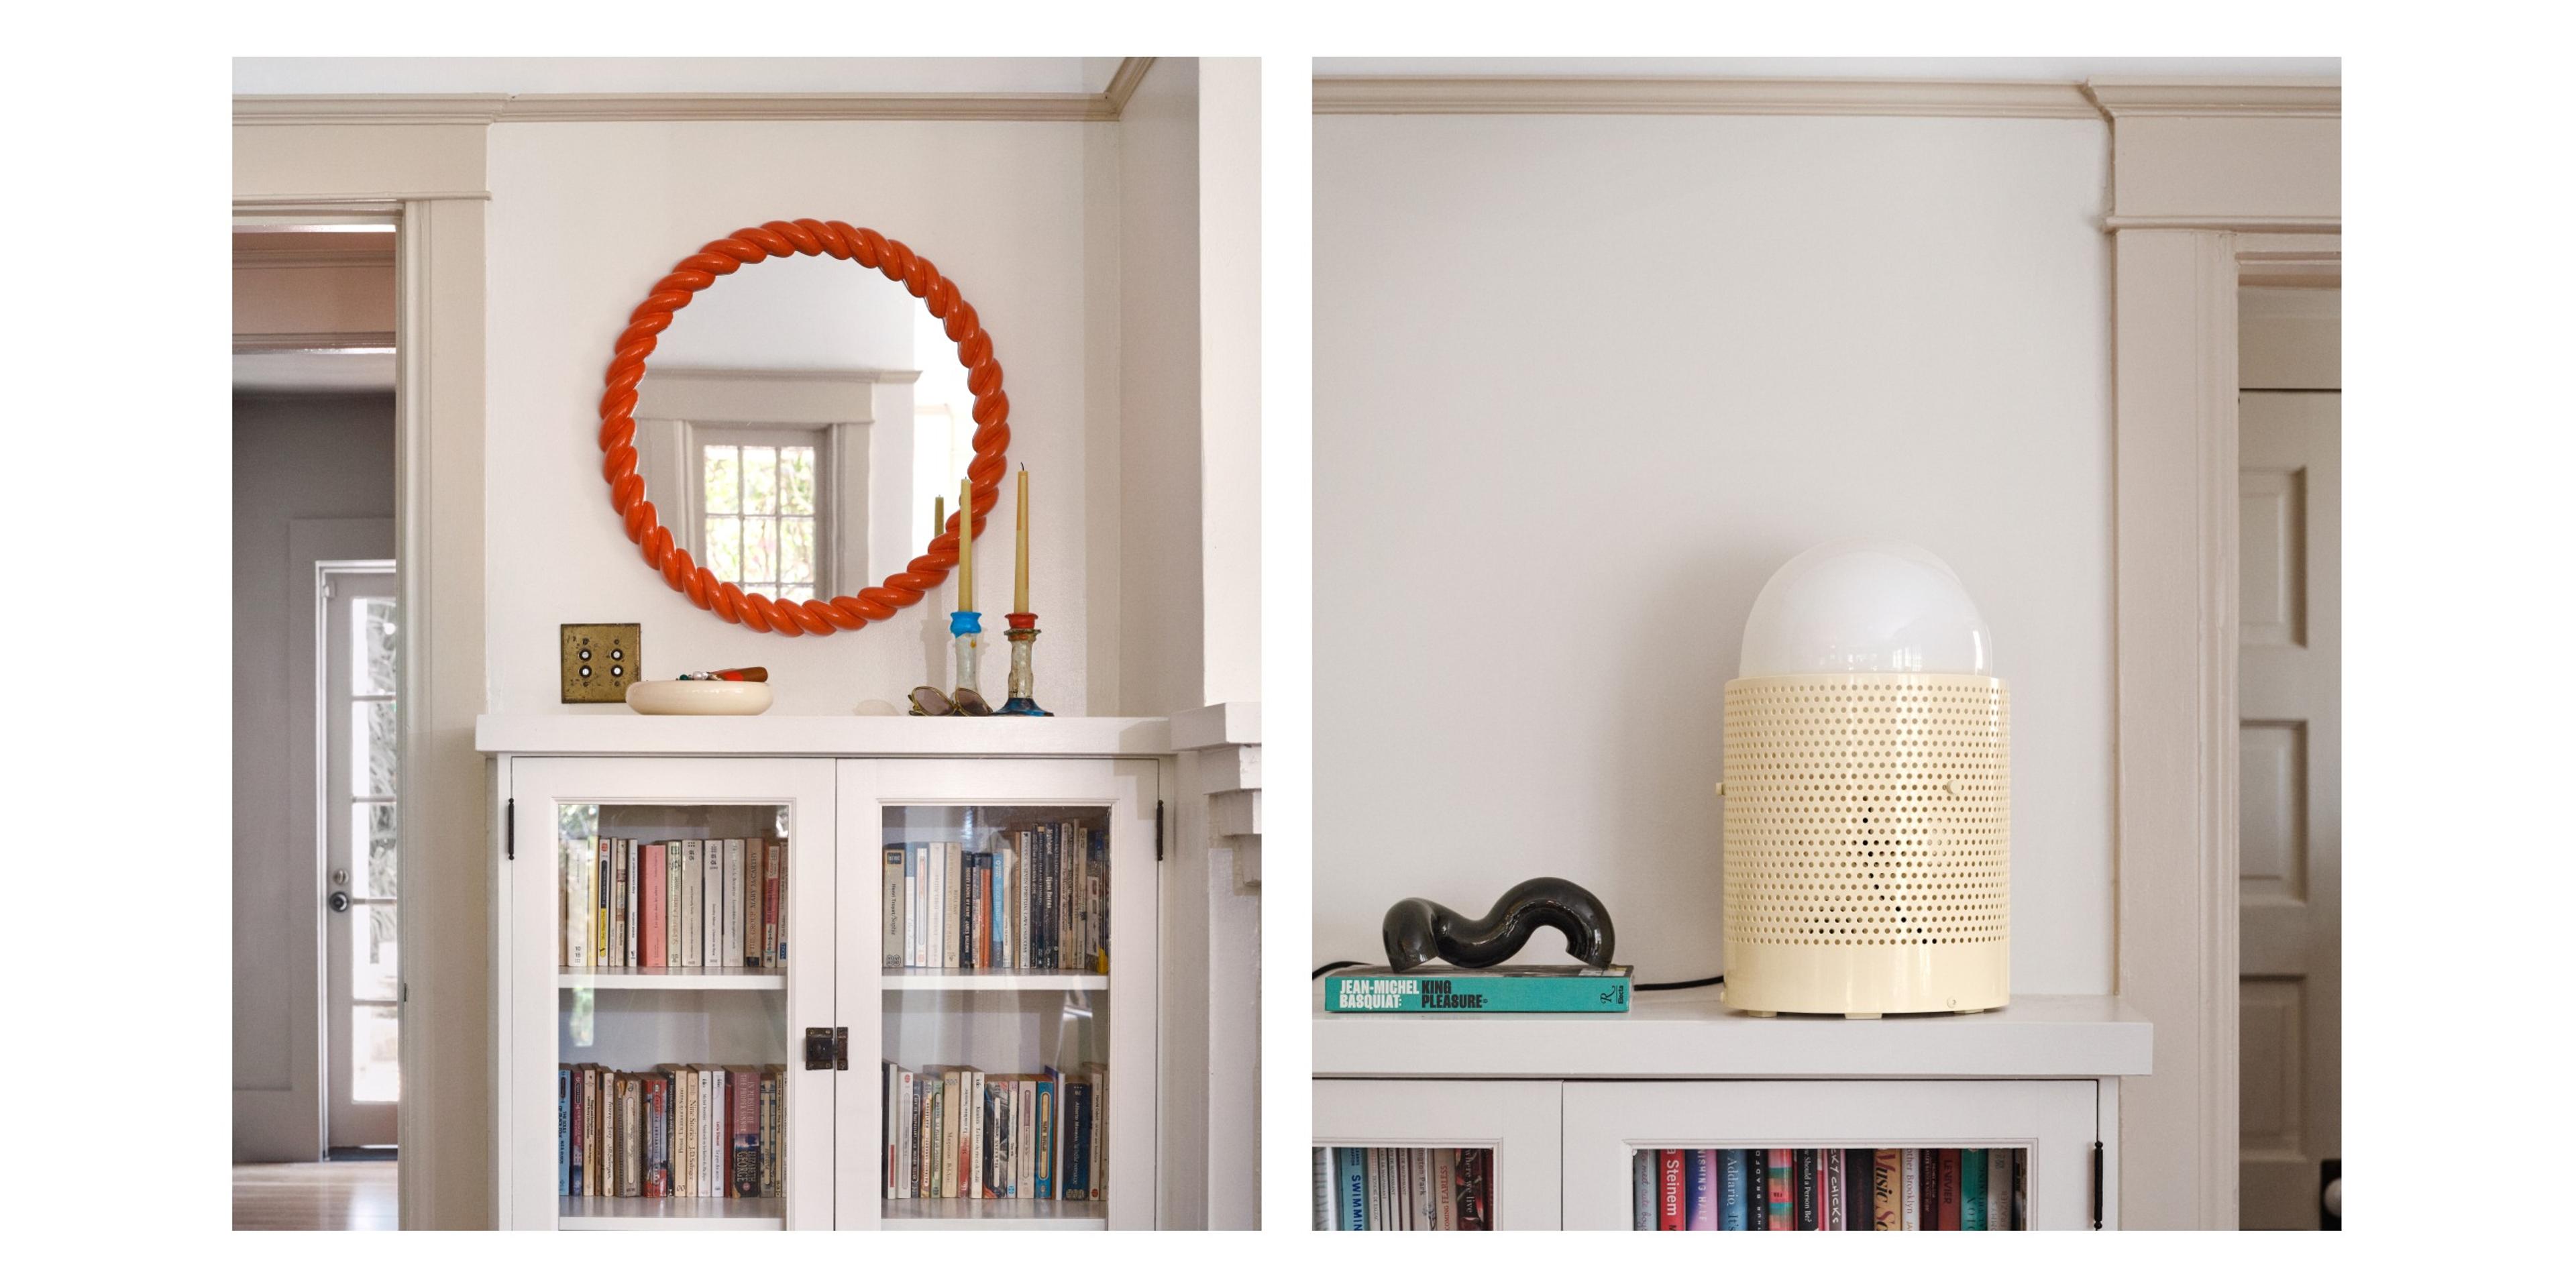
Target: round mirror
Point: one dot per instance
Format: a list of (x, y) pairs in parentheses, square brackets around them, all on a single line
[(786, 412)]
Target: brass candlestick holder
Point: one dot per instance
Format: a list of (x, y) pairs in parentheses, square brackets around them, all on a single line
[(1023, 636)]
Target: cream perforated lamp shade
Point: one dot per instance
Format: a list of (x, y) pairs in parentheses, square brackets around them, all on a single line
[(1868, 792)]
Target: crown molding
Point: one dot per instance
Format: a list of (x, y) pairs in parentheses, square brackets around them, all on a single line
[(1123, 83), (1697, 96), (2216, 96), (2227, 223), (489, 109)]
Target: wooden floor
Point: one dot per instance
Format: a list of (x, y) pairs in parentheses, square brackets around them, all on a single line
[(313, 1196)]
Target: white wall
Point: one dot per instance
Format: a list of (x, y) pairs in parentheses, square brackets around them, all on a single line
[(585, 217), (294, 457), (1583, 383), (806, 313)]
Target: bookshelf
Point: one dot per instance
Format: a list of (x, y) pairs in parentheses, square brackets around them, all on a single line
[(821, 1152), (1567, 1103)]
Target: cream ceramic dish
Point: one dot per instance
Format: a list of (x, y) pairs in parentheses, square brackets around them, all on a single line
[(698, 697)]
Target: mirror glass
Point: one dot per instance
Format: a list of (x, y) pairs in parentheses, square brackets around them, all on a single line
[(795, 423)]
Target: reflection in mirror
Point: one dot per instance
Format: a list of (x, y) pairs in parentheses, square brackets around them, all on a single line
[(795, 423)]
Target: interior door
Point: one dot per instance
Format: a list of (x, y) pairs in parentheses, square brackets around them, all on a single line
[(2289, 803), (362, 938)]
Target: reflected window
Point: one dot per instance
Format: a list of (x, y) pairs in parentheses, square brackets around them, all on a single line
[(760, 507)]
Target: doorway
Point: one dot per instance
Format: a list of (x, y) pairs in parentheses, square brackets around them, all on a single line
[(316, 959), (2289, 758)]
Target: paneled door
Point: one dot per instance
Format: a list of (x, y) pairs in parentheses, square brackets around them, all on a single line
[(362, 946), (2289, 803)]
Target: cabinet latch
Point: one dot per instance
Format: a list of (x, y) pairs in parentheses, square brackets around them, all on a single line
[(1158, 831), (827, 1048), (510, 830), (2097, 1185)]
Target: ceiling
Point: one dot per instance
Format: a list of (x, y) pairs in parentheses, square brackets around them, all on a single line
[(362, 364), (2031, 69), (672, 75)]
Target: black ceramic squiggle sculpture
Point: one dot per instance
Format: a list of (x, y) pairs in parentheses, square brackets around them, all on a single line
[(1418, 930)]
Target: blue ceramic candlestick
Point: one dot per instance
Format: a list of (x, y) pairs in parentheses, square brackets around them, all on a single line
[(968, 628)]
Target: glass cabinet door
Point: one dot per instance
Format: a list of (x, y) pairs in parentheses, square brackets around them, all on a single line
[(1012, 1084), (1402, 1154), (671, 925), (1829, 1155)]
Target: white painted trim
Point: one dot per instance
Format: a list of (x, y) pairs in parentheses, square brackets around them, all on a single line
[(1698, 96), (304, 204), (313, 342), (2175, 618), (2216, 95), (489, 109), (1227, 724), (2290, 224)]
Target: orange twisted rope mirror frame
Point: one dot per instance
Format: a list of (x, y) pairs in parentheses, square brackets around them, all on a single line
[(717, 258)]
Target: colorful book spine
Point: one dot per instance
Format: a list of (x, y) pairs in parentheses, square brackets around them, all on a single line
[(1670, 1210), (892, 954), (1972, 1189), (1699, 1188), (1730, 1189), (1784, 1189), (563, 1129), (657, 1153), (1886, 1190)]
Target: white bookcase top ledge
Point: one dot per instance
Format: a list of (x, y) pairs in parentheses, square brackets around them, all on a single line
[(1690, 1035), (623, 733)]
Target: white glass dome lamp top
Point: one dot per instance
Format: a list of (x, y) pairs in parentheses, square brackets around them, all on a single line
[(1865, 606)]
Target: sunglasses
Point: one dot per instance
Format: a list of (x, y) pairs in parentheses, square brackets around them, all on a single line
[(927, 701)]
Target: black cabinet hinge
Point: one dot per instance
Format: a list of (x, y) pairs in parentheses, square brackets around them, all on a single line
[(1158, 831), (510, 829), (2097, 1185), (827, 1048)]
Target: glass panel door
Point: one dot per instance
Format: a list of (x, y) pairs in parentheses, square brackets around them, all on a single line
[(1013, 1081), (363, 931), (1408, 1154), (669, 926)]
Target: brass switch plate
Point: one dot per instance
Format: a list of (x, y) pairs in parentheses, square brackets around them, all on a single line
[(599, 661)]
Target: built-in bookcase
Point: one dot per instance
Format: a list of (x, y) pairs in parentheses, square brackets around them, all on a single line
[(805, 1027)]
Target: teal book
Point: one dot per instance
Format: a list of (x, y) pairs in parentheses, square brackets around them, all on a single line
[(1972, 1189), (1448, 989)]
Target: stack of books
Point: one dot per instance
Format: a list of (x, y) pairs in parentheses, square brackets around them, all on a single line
[(696, 905), (679, 1131), (1829, 1189), (1404, 1189), (957, 1132), (1038, 900)]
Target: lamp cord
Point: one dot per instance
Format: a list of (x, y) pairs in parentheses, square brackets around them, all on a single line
[(1642, 988)]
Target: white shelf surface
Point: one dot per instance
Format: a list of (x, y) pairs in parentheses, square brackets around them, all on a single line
[(580, 1213), (994, 1214), (1691, 1034), (616, 731), (728, 979), (930, 980)]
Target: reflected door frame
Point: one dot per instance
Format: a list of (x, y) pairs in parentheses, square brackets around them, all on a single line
[(339, 586)]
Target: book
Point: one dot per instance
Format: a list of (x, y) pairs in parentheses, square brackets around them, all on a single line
[(1730, 1189), (729, 924), (892, 953), (563, 1130), (1047, 1132), (634, 853), (630, 1120), (711, 858), (1972, 1189), (1910, 1201), (742, 1091), (1782, 1169), (1805, 1190), (1670, 1191), (657, 1138), (1928, 1194), (1699, 1185), (952, 894), (2000, 1189), (1946, 1205), (1475, 1189), (1829, 1186), (1352, 1188), (673, 913), (1446, 988), (1886, 1190), (1858, 1212), (1641, 1189)]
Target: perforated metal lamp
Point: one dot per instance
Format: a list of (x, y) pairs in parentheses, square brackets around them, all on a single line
[(1868, 866)]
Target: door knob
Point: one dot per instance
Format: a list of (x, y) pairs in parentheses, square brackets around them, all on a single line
[(339, 901)]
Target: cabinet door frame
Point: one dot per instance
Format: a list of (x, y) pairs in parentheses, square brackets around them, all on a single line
[(527, 992), (2055, 1119), (1130, 789), (1521, 1121)]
